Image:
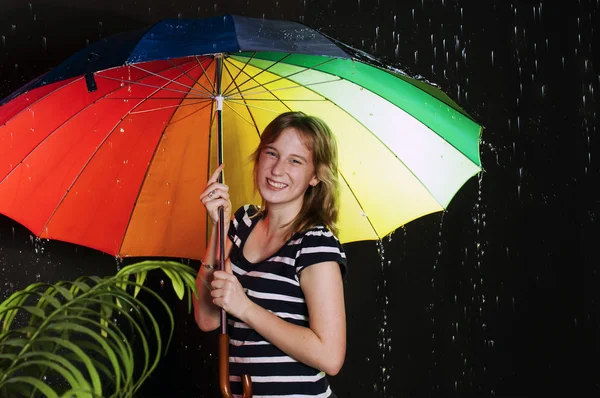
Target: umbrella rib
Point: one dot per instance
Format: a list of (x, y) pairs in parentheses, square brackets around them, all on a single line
[(262, 71), (291, 74), (287, 88), (270, 92), (206, 90), (192, 113), (237, 113), (214, 90), (247, 107), (160, 98), (358, 202), (190, 88), (253, 106), (273, 99), (87, 163), (66, 121), (170, 106), (239, 72), (163, 88)]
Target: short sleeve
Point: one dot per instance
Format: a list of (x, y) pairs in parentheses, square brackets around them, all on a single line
[(240, 222), (320, 245)]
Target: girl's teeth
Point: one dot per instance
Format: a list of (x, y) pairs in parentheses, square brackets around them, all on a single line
[(276, 184)]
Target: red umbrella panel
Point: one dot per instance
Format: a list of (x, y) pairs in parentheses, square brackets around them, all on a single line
[(77, 176)]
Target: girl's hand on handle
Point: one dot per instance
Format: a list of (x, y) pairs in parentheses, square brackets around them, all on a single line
[(216, 195), (228, 293)]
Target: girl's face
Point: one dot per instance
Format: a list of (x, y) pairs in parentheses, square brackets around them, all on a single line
[(285, 170)]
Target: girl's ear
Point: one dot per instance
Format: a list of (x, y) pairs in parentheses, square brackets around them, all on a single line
[(314, 181)]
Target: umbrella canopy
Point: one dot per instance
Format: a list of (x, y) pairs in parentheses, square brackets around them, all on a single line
[(112, 148)]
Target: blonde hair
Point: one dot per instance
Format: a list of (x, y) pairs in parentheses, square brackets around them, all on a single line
[(320, 204)]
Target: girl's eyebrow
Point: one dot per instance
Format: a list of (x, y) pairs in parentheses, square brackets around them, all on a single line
[(293, 154)]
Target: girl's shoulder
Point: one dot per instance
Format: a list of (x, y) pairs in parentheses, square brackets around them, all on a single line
[(318, 244)]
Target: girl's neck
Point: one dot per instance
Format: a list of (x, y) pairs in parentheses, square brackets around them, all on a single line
[(278, 220)]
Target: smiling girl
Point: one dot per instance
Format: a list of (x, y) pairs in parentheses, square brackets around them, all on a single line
[(283, 281)]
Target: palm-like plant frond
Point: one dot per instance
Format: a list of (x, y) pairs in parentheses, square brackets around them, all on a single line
[(89, 338)]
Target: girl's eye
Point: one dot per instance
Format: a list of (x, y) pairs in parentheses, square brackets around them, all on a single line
[(271, 153), (296, 161)]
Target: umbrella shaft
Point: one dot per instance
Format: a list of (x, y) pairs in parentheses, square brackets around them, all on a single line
[(219, 110)]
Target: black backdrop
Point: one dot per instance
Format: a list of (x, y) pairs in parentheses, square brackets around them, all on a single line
[(498, 295)]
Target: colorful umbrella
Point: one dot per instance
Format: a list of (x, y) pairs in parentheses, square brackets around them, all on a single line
[(112, 148)]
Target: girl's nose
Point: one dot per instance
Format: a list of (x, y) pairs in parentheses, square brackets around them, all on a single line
[(278, 167)]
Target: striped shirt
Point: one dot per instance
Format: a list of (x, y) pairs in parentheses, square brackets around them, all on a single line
[(274, 285)]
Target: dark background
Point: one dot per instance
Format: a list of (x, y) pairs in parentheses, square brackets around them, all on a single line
[(498, 295)]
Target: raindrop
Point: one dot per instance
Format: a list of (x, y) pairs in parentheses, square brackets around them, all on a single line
[(119, 261)]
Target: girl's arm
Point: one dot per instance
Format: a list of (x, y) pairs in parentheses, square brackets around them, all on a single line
[(206, 314), (216, 195), (322, 345)]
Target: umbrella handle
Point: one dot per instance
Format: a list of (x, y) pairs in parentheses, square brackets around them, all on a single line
[(224, 371)]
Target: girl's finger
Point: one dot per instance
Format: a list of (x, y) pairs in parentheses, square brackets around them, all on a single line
[(215, 175), (221, 275), (216, 194), (216, 284), (215, 190)]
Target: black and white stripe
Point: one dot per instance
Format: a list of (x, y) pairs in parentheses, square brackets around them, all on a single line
[(274, 285)]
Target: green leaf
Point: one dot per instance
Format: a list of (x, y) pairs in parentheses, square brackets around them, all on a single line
[(43, 387), (140, 278), (68, 366), (98, 338), (93, 373), (64, 372), (34, 311), (79, 285), (10, 357), (15, 342), (45, 297), (79, 317), (177, 282)]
